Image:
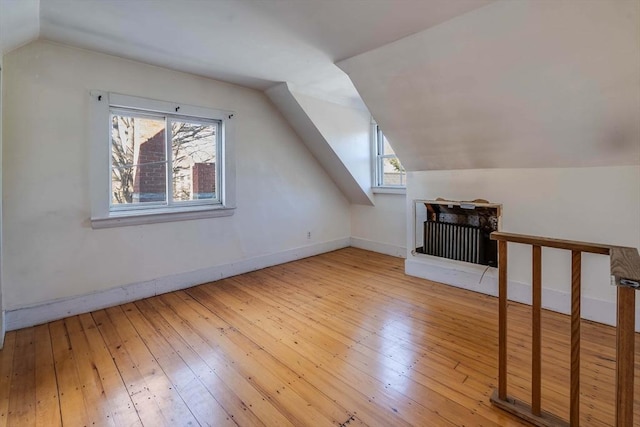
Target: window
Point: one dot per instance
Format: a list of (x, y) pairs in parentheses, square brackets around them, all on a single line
[(162, 160), (388, 169), (165, 161)]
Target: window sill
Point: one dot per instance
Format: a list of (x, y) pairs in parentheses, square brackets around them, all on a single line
[(123, 219), (389, 190)]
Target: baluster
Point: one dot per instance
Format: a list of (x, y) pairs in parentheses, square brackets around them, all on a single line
[(574, 409), (536, 343), (625, 351), (502, 320)]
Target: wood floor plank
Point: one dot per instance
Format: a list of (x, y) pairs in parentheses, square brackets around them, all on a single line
[(202, 361), (415, 414), (266, 374), (341, 392), (95, 398), (73, 410), (140, 371), (339, 339), (202, 403), (6, 372), (47, 399), (173, 408), (122, 408), (22, 407), (263, 373)]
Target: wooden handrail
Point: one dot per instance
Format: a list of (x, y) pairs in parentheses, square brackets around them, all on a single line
[(625, 271), (570, 245), (625, 261)]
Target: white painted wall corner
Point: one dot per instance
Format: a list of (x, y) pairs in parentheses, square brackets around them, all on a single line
[(380, 247)]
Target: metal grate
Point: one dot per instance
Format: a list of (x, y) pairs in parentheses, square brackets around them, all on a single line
[(453, 241)]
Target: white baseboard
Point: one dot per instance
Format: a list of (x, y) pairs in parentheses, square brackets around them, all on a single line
[(467, 276), (64, 307), (383, 248)]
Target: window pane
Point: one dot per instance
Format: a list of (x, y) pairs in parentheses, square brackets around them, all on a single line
[(138, 159), (193, 147), (149, 184), (389, 171), (393, 173), (386, 147)]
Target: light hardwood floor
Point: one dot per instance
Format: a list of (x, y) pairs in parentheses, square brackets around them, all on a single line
[(341, 339)]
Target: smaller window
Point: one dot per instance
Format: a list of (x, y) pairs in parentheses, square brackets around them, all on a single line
[(388, 169), (159, 161)]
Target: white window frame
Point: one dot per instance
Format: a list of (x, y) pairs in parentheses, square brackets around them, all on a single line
[(104, 214), (377, 147)]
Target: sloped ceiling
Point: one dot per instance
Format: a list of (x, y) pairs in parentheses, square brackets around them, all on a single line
[(248, 42), (337, 136), (258, 44), (473, 83), (19, 23), (514, 84)]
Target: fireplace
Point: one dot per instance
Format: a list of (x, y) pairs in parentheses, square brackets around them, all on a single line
[(457, 230)]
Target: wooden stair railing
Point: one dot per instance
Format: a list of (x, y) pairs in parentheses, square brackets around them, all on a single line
[(625, 272)]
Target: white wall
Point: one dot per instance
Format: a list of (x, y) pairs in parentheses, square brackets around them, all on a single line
[(50, 249), (597, 204), (383, 227)]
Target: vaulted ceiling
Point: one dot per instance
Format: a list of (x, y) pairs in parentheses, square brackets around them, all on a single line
[(251, 43), (455, 84)]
